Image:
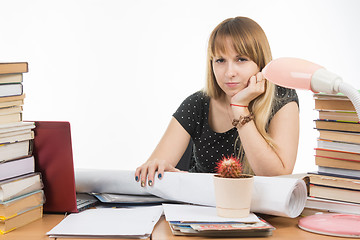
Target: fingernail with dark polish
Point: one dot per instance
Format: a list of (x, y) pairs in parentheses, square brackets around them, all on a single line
[(137, 178), (150, 182), (142, 183), (159, 176)]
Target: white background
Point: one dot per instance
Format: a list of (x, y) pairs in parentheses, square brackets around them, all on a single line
[(117, 70)]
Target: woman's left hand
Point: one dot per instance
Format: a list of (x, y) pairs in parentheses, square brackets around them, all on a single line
[(255, 87)]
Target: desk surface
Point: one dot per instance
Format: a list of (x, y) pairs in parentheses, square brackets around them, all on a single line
[(35, 230), (286, 228)]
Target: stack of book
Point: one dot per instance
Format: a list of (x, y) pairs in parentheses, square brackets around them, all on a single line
[(21, 194), (336, 185)]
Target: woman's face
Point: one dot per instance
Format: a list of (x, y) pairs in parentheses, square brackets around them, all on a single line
[(232, 71)]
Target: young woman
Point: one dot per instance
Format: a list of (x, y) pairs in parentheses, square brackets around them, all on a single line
[(239, 113)]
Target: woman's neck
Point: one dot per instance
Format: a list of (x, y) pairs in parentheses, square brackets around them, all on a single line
[(221, 115), (225, 101)]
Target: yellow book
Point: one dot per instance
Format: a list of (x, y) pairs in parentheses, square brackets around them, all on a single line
[(20, 220)]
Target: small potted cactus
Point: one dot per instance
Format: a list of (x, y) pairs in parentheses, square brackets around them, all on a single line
[(233, 189)]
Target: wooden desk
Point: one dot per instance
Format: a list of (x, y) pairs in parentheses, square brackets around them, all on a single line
[(35, 230), (286, 228), (38, 229)]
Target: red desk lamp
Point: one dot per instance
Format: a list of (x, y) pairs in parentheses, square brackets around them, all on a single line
[(301, 74)]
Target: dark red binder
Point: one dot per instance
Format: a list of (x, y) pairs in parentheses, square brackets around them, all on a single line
[(54, 159)]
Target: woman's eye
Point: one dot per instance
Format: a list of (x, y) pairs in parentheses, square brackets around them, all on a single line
[(220, 60), (241, 59)]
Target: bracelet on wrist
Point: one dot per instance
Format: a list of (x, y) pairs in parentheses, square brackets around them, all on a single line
[(243, 120), (237, 105)]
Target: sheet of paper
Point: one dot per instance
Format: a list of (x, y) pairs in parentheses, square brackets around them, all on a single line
[(109, 222), (196, 213)]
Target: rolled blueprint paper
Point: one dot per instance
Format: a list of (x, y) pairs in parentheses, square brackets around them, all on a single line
[(108, 181), (278, 196)]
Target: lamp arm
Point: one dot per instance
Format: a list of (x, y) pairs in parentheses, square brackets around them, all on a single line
[(325, 81), (352, 94)]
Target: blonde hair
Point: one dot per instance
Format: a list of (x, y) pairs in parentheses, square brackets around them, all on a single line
[(248, 39)]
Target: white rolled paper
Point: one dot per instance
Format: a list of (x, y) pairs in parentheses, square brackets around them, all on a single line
[(277, 196)]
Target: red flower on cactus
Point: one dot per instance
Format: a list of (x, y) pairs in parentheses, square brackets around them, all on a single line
[(229, 167)]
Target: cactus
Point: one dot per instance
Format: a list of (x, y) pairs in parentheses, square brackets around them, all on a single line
[(229, 167)]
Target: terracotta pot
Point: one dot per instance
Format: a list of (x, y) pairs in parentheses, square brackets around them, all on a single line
[(233, 196)]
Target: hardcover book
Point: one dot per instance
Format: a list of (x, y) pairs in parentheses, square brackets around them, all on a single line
[(12, 98), (337, 154), (337, 125), (17, 167), (11, 118), (331, 206), (11, 78), (20, 220), (333, 102), (17, 186), (349, 137), (17, 126), (338, 146), (345, 116), (334, 193), (339, 172), (343, 104), (337, 163), (15, 150), (17, 136), (11, 89), (13, 67), (334, 181), (21, 204)]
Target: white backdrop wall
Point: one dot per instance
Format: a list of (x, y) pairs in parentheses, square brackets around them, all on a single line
[(117, 70)]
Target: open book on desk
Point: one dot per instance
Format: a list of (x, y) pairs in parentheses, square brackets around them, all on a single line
[(278, 196)]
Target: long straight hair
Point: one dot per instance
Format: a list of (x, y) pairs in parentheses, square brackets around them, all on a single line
[(248, 39)]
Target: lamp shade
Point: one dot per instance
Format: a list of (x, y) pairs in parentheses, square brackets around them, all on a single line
[(291, 72)]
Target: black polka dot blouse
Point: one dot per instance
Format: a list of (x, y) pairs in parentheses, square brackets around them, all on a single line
[(209, 146)]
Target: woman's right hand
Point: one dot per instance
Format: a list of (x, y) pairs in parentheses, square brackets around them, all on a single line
[(166, 154), (147, 171)]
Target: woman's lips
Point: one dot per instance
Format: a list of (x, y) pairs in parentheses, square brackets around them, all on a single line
[(232, 84)]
